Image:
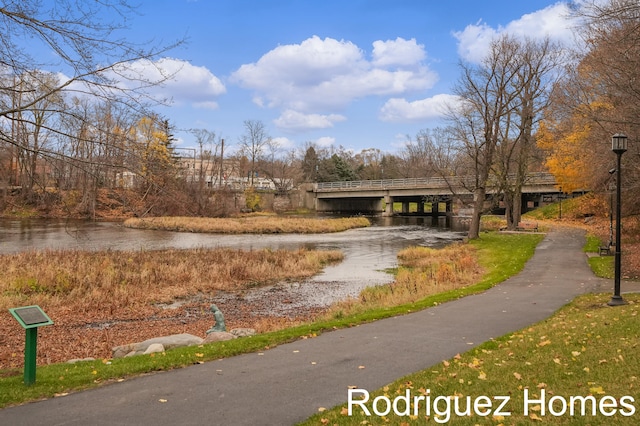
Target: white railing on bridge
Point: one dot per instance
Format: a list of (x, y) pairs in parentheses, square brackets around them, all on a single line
[(538, 178)]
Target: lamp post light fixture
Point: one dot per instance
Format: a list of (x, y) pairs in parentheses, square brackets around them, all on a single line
[(619, 147)]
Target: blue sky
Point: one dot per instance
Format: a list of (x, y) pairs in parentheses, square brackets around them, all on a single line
[(352, 73)]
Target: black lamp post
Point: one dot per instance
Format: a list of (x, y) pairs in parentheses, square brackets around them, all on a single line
[(619, 146)]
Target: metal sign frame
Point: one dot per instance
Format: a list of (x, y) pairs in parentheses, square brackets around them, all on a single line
[(30, 318)]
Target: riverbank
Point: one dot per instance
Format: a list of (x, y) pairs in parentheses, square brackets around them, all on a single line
[(312, 373), (108, 298), (496, 268)]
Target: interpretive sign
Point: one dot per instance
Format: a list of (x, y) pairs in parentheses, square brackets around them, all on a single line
[(30, 318)]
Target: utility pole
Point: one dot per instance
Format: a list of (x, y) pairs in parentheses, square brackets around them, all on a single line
[(221, 162)]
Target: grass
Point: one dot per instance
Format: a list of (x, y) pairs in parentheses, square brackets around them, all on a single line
[(423, 271), (602, 266), (255, 224), (500, 256), (586, 350)]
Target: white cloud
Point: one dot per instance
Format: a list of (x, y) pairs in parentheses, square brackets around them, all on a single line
[(294, 121), (284, 143), (553, 22), (398, 52), (206, 105), (320, 75), (325, 141), (401, 110), (181, 81)]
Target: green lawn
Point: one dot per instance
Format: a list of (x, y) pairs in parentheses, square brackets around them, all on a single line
[(578, 367)]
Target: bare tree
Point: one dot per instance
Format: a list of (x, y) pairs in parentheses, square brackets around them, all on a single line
[(280, 166), (253, 143), (91, 56), (31, 133), (515, 152), (481, 122)]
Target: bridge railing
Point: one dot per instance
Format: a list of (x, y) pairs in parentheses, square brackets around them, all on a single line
[(538, 178)]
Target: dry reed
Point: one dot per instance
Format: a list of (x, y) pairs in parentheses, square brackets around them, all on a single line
[(423, 272), (109, 283), (248, 225)]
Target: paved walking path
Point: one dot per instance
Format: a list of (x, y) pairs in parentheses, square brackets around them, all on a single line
[(287, 384)]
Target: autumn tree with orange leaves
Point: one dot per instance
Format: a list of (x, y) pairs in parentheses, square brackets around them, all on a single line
[(598, 96)]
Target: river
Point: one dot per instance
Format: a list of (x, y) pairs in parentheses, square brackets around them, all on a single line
[(368, 251)]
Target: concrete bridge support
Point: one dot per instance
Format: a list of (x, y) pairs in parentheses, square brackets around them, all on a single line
[(435, 208), (349, 205), (388, 209)]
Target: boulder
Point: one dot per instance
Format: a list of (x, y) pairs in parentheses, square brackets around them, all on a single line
[(167, 342), (154, 348), (243, 332), (74, 360), (218, 336)]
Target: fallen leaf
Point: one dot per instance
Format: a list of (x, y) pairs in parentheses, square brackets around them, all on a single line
[(361, 367), (518, 376), (162, 400)]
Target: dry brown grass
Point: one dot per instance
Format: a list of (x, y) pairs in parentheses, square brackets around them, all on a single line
[(102, 299), (117, 281), (249, 225), (424, 271)]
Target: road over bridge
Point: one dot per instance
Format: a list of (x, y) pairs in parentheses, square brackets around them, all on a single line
[(434, 195)]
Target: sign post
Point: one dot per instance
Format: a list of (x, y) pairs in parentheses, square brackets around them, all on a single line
[(30, 318)]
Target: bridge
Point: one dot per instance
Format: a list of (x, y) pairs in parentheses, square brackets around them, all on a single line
[(433, 195)]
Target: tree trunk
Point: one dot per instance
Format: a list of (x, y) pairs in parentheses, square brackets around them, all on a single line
[(478, 206)]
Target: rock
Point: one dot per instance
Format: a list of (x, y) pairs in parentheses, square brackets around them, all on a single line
[(168, 342), (243, 332), (218, 336), (154, 348), (122, 351), (74, 360)]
